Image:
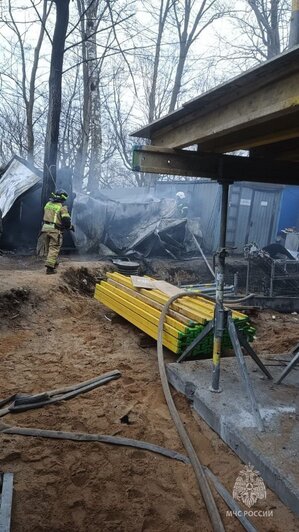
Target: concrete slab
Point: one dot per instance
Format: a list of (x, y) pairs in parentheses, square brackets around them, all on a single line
[(274, 452)]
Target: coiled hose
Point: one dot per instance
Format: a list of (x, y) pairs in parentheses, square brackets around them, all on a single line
[(197, 466)]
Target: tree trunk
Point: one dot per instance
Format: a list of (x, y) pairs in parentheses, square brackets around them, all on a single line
[(30, 132), (81, 155), (178, 77), (95, 167), (31, 99), (273, 33), (294, 29), (94, 175), (55, 81), (164, 10)]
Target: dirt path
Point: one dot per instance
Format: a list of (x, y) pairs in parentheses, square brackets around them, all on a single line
[(59, 337)]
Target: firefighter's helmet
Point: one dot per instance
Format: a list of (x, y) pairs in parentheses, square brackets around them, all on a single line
[(60, 195), (180, 195)]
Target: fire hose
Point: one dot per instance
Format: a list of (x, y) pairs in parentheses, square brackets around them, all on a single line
[(195, 462)]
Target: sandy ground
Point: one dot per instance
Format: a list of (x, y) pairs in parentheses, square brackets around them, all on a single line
[(51, 335)]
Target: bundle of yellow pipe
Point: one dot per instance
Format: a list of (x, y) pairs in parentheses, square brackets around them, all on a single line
[(142, 307)]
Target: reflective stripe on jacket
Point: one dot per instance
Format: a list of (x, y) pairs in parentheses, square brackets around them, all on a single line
[(54, 212)]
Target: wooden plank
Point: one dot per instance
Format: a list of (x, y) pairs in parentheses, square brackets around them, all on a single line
[(198, 309), (176, 315), (160, 298), (6, 502), (259, 76), (277, 99), (168, 289), (274, 130), (142, 282), (214, 166)]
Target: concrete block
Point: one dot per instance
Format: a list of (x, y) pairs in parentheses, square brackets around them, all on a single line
[(274, 452)]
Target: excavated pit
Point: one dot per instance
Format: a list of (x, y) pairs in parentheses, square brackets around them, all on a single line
[(63, 337)]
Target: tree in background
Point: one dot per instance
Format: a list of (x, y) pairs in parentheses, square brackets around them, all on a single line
[(26, 58), (90, 130), (261, 28), (95, 42), (191, 19), (122, 65), (164, 65), (294, 26), (54, 110), (154, 106)]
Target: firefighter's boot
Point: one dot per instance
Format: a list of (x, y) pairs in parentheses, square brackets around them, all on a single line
[(50, 271)]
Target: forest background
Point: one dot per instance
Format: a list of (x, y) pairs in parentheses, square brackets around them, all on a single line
[(122, 64)]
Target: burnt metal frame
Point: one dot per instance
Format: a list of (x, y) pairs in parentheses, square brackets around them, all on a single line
[(275, 263)]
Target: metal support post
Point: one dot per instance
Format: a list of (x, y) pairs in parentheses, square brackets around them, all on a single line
[(247, 275), (252, 353), (291, 364), (244, 372), (208, 328), (289, 367), (272, 278), (219, 310), (236, 282)]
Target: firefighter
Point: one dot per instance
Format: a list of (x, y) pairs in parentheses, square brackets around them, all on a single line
[(56, 220), (181, 204)]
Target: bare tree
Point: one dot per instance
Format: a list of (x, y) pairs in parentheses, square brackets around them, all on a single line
[(98, 40), (70, 118), (12, 124), (164, 12), (261, 30), (191, 19), (84, 132), (120, 122), (121, 69), (29, 69), (55, 82), (294, 27), (267, 21), (91, 132)]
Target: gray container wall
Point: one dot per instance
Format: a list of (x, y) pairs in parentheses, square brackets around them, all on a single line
[(252, 217), (256, 212)]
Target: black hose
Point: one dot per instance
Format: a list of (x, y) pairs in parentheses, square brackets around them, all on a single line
[(197, 466), (43, 399), (100, 438)]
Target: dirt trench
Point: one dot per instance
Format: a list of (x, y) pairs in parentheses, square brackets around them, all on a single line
[(62, 336)]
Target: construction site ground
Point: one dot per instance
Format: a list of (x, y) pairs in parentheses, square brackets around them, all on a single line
[(53, 333)]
